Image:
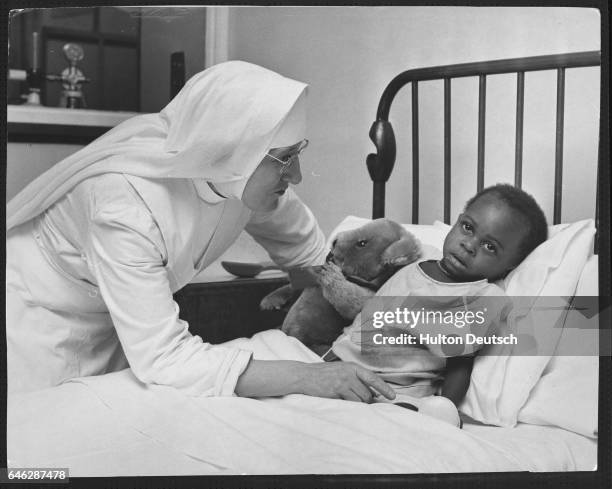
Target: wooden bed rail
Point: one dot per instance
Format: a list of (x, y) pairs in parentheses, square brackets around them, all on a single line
[(380, 165)]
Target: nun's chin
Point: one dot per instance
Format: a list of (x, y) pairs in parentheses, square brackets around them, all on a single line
[(272, 203), (267, 204)]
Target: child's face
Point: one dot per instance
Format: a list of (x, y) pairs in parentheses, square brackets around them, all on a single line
[(484, 242)]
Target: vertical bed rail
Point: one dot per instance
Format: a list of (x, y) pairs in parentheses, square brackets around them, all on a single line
[(415, 152), (482, 109), (380, 164), (559, 145), (447, 148), (518, 144)]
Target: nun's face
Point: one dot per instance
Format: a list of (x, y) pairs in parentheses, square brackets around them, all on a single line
[(271, 178)]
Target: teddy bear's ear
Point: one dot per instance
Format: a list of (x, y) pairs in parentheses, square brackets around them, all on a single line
[(402, 252)]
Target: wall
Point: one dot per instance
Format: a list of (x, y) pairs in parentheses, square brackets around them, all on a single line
[(26, 161), (349, 54)]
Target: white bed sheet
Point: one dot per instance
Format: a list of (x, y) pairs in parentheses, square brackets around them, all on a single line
[(540, 448), (113, 425)]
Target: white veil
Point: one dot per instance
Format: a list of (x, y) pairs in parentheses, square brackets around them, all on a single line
[(217, 128)]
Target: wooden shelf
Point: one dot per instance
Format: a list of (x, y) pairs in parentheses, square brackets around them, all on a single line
[(39, 124)]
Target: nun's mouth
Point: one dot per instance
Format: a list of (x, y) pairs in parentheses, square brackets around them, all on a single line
[(281, 191)]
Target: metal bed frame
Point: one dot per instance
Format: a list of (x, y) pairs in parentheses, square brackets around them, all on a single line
[(380, 165)]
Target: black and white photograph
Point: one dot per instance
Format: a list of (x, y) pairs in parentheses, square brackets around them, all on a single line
[(352, 243)]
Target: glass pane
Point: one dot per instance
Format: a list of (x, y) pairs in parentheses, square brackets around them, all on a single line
[(121, 67), (16, 34), (21, 27), (117, 21), (78, 18), (14, 88)]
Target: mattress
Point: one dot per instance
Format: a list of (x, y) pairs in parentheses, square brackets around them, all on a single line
[(113, 425)]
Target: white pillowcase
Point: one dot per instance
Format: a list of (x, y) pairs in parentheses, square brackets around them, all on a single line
[(567, 394), (501, 384)]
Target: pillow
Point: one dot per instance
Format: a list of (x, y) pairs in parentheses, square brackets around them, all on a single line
[(588, 285), (567, 394), (500, 384)]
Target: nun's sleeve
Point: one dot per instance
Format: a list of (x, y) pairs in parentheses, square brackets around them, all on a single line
[(290, 233), (127, 256)]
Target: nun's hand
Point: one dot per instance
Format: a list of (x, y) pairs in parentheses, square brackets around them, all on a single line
[(343, 380), (336, 380)]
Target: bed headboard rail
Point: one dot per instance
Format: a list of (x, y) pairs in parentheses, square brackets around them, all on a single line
[(380, 165)]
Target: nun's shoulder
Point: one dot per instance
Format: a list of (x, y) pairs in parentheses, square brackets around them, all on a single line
[(131, 190)]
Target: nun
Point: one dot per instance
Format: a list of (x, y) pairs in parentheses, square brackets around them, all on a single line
[(97, 245)]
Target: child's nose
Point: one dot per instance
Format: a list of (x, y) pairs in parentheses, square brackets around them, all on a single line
[(470, 245)]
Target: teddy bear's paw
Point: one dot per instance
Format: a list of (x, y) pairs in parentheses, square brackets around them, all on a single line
[(399, 261), (330, 275), (277, 299), (272, 302)]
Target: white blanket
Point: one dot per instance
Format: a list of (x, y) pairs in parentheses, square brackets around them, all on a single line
[(114, 425)]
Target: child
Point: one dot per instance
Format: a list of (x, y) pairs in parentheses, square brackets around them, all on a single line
[(498, 228)]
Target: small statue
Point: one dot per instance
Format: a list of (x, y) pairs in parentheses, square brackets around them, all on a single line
[(72, 78)]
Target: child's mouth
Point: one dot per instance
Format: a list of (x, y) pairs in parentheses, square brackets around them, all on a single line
[(455, 261)]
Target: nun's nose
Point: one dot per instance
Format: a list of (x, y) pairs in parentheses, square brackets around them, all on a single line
[(293, 174)]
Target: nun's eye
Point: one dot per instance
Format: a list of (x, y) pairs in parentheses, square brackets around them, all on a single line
[(362, 243)]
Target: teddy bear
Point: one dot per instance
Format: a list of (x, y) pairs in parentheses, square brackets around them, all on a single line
[(359, 262)]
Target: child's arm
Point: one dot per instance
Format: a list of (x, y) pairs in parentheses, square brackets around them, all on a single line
[(457, 378)]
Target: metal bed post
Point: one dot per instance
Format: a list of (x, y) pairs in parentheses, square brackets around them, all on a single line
[(597, 234)]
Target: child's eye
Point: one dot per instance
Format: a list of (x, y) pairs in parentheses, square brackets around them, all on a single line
[(490, 247), (467, 226), (362, 243)]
